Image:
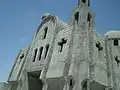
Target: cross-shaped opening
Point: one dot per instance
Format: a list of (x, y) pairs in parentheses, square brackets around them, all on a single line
[(98, 45), (61, 43)]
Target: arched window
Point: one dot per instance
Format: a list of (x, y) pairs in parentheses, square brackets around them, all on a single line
[(47, 47), (84, 85), (84, 1), (76, 16), (35, 54), (71, 84), (40, 52), (89, 17), (45, 32)]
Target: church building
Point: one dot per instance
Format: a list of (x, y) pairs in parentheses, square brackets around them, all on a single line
[(68, 56)]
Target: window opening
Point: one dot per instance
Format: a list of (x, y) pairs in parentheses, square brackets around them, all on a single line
[(78, 2), (117, 60), (89, 18), (76, 16), (115, 42), (47, 47), (22, 56), (40, 52), (98, 45), (84, 1), (45, 32), (61, 43), (88, 3), (84, 86), (35, 54), (70, 82)]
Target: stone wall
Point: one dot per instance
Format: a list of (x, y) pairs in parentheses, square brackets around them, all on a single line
[(4, 86)]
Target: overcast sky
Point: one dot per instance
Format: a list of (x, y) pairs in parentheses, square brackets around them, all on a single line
[(20, 18)]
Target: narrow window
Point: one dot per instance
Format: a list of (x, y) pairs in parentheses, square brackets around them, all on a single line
[(76, 16), (88, 3), (84, 86), (89, 18), (70, 82), (84, 1), (45, 32), (35, 54), (40, 52), (47, 47), (115, 42)]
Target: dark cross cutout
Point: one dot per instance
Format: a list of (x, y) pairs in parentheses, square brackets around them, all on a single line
[(61, 43), (117, 60), (98, 45), (22, 56)]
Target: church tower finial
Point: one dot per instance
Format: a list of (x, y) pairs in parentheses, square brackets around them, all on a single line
[(84, 2)]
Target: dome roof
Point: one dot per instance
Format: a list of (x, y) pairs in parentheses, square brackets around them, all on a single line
[(113, 34), (45, 15)]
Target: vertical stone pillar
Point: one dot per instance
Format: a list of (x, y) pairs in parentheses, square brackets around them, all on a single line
[(24, 81), (45, 85)]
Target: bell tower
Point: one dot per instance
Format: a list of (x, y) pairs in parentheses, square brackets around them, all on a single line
[(83, 26), (83, 14)]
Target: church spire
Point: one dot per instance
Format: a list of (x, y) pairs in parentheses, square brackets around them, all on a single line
[(84, 2)]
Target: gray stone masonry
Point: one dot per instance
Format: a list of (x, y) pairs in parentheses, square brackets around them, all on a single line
[(70, 56)]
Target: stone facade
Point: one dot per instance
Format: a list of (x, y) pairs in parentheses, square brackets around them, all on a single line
[(68, 56)]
